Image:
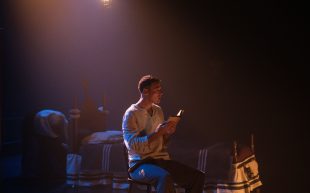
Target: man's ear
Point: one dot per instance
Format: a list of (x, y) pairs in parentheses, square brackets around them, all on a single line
[(145, 91)]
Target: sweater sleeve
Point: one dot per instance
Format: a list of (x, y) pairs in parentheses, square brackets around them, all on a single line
[(133, 138)]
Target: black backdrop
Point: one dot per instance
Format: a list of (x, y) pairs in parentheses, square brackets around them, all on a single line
[(235, 67)]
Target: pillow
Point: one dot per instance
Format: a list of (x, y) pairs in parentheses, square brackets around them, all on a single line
[(103, 137)]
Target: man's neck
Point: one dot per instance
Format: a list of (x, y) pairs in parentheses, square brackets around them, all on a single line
[(144, 104)]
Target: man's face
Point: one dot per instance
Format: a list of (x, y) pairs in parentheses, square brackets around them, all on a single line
[(154, 93)]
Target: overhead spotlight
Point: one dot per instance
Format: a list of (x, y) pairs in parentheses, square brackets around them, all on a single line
[(107, 3)]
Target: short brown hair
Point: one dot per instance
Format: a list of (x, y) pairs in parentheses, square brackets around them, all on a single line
[(146, 81)]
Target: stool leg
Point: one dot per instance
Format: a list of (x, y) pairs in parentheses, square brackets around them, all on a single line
[(148, 188), (130, 187)]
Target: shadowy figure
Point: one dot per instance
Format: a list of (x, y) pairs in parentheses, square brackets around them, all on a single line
[(44, 149)]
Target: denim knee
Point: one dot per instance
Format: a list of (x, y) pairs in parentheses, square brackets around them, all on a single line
[(165, 176)]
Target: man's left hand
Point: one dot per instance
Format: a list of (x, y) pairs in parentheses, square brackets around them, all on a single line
[(172, 127)]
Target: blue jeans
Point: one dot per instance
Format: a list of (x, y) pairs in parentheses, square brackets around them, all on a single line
[(164, 173)]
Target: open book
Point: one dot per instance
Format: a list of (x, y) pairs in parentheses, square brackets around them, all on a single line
[(176, 118)]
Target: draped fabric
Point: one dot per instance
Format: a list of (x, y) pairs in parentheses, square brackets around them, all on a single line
[(244, 178), (225, 176), (73, 168), (51, 123), (100, 162)]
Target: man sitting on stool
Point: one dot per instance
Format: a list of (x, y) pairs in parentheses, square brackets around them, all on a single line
[(146, 135)]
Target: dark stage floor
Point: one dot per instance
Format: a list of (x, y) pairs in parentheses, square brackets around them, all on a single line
[(11, 182)]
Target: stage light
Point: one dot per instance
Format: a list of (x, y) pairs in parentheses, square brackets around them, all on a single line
[(107, 3)]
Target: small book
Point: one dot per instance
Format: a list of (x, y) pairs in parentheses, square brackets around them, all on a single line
[(177, 117)]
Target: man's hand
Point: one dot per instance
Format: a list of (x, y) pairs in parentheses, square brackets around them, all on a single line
[(172, 127), (166, 128)]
